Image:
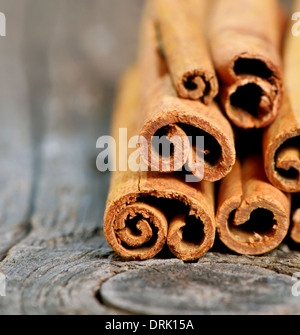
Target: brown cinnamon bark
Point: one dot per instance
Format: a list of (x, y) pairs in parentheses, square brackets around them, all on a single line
[(281, 142), (245, 39), (295, 231), (252, 216), (162, 113), (185, 48), (141, 205), (295, 228)]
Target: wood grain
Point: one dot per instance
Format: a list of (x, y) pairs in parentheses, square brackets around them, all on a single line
[(187, 289), (16, 154)]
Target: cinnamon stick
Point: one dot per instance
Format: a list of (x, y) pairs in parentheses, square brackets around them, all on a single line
[(281, 143), (252, 216), (295, 232), (245, 39), (163, 113), (295, 229), (184, 46), (142, 205)]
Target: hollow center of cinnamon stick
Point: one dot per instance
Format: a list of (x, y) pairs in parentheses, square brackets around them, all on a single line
[(212, 149), (253, 67), (190, 84), (162, 144), (166, 149), (131, 225), (193, 231), (259, 228), (248, 98)]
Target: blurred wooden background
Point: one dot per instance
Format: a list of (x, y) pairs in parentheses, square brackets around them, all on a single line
[(60, 64)]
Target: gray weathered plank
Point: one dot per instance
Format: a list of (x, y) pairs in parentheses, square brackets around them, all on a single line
[(58, 267), (203, 288)]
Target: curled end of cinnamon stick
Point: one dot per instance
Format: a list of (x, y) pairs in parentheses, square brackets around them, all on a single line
[(281, 141), (198, 86), (183, 43), (255, 228), (189, 238), (254, 98), (250, 67), (137, 231), (138, 225), (255, 219), (185, 123), (282, 159)]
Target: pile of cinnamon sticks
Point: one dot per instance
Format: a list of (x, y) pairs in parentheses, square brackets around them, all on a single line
[(226, 71)]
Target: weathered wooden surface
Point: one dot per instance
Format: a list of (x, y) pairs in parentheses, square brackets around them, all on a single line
[(204, 288), (59, 66), (16, 152)]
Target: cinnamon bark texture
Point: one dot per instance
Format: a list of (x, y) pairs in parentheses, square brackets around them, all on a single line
[(253, 216), (281, 142), (142, 205), (163, 113), (245, 39), (184, 46), (295, 229), (295, 232)]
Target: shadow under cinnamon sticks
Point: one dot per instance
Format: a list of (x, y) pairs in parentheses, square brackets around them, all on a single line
[(253, 216), (146, 210), (163, 113)]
